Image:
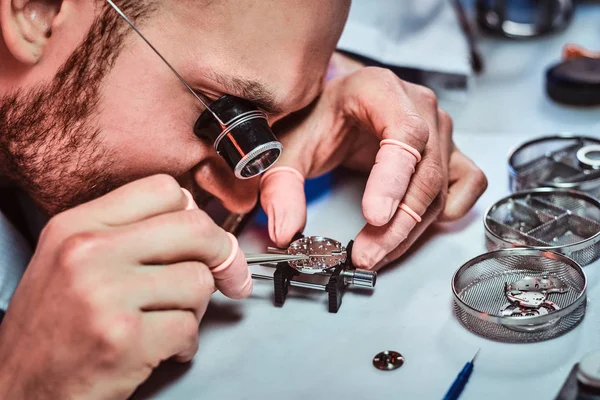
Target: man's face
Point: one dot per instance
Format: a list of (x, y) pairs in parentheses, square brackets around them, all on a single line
[(272, 52)]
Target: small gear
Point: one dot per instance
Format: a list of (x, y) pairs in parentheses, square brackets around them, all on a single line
[(512, 310)]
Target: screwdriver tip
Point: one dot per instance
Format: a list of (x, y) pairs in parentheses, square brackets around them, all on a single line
[(475, 356)]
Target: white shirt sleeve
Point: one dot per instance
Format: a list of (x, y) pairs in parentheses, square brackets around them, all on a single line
[(420, 34), (15, 254)]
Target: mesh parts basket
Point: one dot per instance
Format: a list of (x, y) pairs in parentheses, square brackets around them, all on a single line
[(479, 295), (560, 161), (563, 221)]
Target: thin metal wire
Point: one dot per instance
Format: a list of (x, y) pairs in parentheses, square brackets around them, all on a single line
[(192, 91)]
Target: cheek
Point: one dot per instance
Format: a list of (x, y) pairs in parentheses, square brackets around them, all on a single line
[(149, 140), (146, 119)]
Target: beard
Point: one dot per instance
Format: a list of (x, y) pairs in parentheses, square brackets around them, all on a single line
[(50, 140)]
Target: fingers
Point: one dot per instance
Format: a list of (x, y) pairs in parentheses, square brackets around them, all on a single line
[(283, 199), (189, 236), (414, 235), (387, 184), (185, 286), (170, 334), (176, 237), (405, 128), (135, 201), (232, 276), (373, 242), (376, 240), (467, 184), (385, 108)]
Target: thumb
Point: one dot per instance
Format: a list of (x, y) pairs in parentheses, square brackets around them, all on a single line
[(282, 197)]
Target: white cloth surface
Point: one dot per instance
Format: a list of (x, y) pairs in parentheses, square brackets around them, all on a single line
[(252, 350), (15, 254), (421, 34)]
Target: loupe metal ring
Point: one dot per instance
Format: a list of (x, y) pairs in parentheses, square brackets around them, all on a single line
[(246, 167), (246, 141), (583, 155), (237, 121), (527, 320)]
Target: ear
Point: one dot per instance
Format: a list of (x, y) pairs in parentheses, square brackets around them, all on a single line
[(27, 26)]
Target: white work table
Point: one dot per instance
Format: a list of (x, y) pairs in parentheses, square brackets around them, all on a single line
[(252, 350)]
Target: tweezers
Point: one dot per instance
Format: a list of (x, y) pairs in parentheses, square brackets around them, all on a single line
[(266, 258)]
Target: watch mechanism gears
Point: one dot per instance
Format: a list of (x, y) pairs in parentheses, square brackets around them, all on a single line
[(323, 254)]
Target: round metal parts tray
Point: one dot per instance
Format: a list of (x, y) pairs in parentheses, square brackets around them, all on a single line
[(479, 295), (563, 221), (561, 161)]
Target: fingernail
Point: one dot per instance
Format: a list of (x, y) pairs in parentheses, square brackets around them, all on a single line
[(380, 210), (191, 203), (272, 223), (235, 281), (277, 225), (247, 287)]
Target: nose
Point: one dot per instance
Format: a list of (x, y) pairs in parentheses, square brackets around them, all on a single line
[(215, 177)]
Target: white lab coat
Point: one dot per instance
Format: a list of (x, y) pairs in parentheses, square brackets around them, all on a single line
[(421, 34)]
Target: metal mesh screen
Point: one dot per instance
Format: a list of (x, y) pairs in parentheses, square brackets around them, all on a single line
[(567, 221), (552, 162), (480, 285)]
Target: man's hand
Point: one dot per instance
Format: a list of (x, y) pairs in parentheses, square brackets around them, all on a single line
[(346, 126), (115, 287)]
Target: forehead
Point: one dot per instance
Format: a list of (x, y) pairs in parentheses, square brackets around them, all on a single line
[(271, 52)]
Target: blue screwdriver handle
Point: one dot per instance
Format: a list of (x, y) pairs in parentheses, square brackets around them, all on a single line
[(460, 382)]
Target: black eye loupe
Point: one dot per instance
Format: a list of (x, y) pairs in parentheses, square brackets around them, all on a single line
[(245, 140)]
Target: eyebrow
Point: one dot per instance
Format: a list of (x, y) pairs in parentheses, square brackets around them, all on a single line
[(251, 90)]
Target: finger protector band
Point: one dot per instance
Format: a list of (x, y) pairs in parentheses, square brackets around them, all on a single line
[(410, 212), (276, 170), (191, 205), (232, 253), (403, 146)]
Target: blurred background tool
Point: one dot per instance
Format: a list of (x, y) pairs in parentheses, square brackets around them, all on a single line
[(467, 28), (583, 383), (576, 80), (461, 380), (524, 19)]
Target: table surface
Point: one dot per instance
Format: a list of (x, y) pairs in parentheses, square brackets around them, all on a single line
[(253, 350)]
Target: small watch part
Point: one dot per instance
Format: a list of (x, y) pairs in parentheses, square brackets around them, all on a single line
[(512, 310), (545, 284), (532, 292), (388, 360), (323, 254), (589, 156), (526, 299)]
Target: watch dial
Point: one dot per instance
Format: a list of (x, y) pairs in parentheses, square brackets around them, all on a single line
[(324, 254)]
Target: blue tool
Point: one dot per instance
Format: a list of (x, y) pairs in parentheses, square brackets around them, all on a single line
[(461, 380)]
